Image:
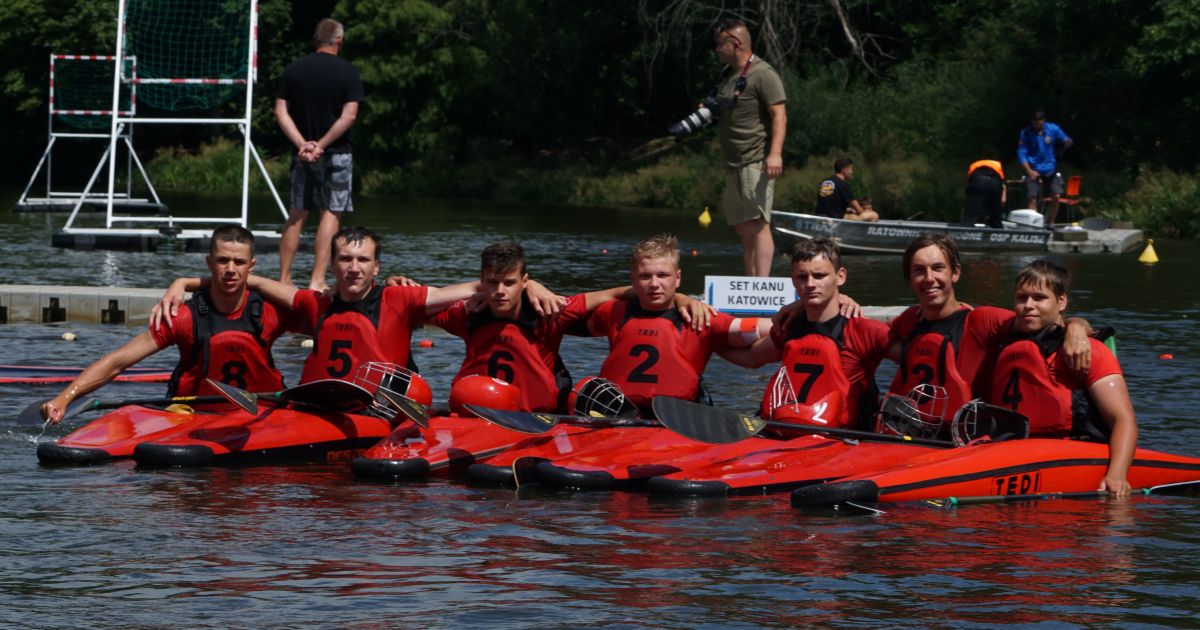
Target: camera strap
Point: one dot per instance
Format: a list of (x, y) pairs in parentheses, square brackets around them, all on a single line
[(738, 87)]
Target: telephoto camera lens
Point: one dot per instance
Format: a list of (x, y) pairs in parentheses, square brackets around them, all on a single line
[(699, 119)]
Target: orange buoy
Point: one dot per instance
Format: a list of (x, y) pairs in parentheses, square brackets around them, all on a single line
[(425, 343), (1166, 357)]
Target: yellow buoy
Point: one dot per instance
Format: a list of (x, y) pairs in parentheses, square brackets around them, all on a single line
[(705, 218), (1148, 256)]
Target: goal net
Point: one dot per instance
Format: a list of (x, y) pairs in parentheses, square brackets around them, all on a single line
[(191, 53), (81, 90)]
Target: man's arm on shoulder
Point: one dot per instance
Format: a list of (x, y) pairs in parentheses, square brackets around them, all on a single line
[(100, 373), (280, 294), (758, 354), (438, 299), (744, 332)]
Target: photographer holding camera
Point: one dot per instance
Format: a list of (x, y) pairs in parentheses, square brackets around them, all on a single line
[(751, 122)]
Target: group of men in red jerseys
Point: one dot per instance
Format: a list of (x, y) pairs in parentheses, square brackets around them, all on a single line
[(660, 340)]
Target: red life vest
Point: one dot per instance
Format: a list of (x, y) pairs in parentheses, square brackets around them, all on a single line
[(231, 351), (929, 354), (653, 354), (508, 350), (1023, 382), (347, 335), (812, 358)]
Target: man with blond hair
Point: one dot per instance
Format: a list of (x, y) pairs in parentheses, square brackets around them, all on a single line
[(315, 105), (652, 352)]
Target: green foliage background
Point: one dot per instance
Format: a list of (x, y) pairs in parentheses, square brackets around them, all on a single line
[(566, 101)]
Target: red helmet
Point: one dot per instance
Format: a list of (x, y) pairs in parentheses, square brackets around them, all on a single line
[(826, 412), (393, 380), (597, 397), (483, 391)]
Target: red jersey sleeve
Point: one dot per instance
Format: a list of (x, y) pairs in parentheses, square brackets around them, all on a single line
[(989, 324), (572, 313), (869, 340), (1103, 363), (308, 306), (453, 320), (718, 330), (179, 333), (408, 300), (601, 318)]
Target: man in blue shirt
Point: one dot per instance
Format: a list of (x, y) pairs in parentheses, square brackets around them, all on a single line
[(1036, 152)]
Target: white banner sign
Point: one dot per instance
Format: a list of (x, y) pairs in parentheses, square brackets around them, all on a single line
[(745, 294)]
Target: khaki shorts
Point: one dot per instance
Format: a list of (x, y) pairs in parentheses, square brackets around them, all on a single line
[(749, 194)]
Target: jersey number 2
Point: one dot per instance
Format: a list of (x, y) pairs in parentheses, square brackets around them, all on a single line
[(640, 373)]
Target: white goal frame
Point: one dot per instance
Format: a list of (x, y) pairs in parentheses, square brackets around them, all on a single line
[(122, 121)]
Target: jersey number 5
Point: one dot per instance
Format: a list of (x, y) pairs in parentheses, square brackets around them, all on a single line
[(339, 352)]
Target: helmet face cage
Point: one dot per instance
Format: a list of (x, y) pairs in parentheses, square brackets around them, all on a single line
[(782, 392), (966, 425), (383, 380), (599, 398), (920, 414), (978, 420)]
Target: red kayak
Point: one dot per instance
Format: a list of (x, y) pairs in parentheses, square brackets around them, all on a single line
[(274, 434), (563, 441), (448, 446), (781, 466), (115, 434), (615, 457), (41, 374), (999, 469)]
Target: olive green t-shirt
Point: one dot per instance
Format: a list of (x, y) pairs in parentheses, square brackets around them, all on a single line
[(745, 131)]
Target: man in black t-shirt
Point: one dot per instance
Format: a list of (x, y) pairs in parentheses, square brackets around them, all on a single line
[(835, 199), (316, 103)]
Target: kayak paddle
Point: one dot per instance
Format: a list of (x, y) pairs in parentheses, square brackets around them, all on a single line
[(724, 426), (538, 422), (714, 425), (952, 502), (323, 395), (411, 409), (32, 415)]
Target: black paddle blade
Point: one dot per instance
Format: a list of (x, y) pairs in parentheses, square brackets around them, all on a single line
[(245, 400), (522, 421), (705, 424), (410, 408), (32, 415), (328, 395)]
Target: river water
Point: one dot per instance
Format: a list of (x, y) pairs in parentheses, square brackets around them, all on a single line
[(311, 545)]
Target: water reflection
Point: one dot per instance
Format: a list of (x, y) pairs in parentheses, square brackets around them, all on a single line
[(310, 545)]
